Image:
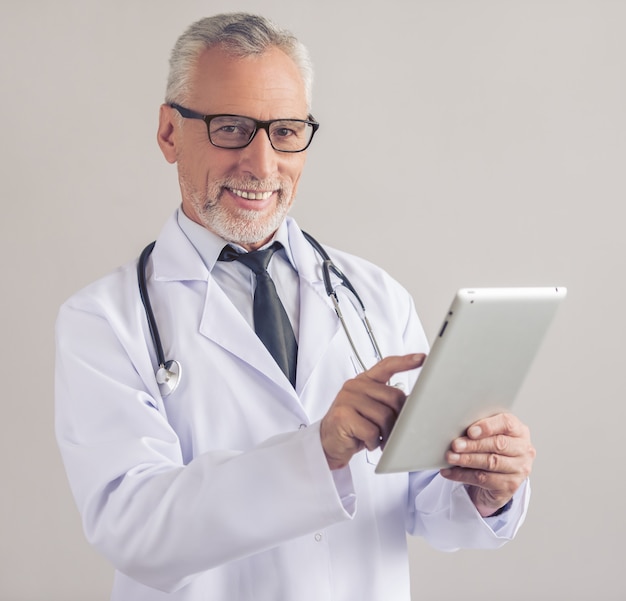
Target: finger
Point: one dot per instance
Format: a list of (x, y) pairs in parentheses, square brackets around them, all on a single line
[(361, 416), (502, 486), (500, 444), (487, 462), (383, 416), (348, 429), (502, 423), (389, 366), (373, 439), (365, 410), (362, 390), (365, 433), (518, 466), (372, 401)]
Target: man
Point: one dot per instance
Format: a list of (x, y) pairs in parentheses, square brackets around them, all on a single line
[(242, 483)]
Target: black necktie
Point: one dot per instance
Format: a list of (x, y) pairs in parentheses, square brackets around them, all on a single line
[(270, 319)]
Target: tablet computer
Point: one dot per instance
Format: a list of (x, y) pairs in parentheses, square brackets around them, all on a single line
[(476, 366)]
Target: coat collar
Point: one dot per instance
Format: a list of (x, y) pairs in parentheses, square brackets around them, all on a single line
[(175, 259)]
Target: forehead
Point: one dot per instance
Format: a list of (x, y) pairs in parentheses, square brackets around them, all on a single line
[(264, 86)]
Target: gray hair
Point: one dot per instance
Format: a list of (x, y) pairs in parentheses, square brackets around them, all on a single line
[(242, 35)]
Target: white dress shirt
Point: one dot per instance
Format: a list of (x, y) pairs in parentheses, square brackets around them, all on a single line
[(237, 280)]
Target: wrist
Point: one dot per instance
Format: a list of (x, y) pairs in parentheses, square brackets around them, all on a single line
[(489, 512), (487, 508)]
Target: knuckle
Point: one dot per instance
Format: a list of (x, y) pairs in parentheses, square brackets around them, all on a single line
[(526, 469), (501, 443), (392, 398), (341, 413), (527, 465), (369, 435), (493, 462), (510, 422), (358, 379), (399, 398), (481, 478), (390, 421)]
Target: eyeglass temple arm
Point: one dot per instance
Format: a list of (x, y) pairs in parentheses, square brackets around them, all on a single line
[(186, 113)]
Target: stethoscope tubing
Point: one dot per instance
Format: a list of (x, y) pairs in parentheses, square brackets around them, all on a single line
[(145, 300), (169, 372)]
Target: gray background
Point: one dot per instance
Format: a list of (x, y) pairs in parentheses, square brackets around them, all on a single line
[(463, 143)]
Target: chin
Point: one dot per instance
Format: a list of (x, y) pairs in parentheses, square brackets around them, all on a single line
[(247, 227)]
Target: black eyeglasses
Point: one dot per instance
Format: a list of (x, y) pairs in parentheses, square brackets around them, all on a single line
[(235, 131)]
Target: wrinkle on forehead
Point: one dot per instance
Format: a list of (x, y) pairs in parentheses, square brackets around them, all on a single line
[(264, 86)]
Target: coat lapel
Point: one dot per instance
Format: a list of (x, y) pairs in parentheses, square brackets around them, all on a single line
[(319, 326), (223, 324), (175, 259)]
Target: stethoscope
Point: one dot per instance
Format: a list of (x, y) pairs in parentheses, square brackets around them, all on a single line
[(169, 372)]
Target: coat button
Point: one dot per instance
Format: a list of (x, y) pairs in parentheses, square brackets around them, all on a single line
[(318, 536)]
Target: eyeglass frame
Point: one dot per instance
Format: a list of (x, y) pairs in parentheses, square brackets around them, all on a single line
[(258, 124)]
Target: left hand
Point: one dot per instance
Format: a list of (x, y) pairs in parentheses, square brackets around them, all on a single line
[(493, 459)]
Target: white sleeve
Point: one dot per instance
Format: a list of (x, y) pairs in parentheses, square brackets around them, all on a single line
[(155, 518), (445, 516)]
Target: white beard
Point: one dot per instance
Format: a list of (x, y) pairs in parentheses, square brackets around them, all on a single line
[(240, 226)]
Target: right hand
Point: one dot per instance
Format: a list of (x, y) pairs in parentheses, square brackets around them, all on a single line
[(365, 410)]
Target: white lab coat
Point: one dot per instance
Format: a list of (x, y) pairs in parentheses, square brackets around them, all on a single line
[(221, 491)]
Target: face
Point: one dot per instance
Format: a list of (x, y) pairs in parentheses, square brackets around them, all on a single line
[(242, 195)]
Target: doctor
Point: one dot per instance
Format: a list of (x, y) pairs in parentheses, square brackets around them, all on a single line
[(241, 485)]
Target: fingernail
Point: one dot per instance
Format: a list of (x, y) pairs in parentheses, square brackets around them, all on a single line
[(453, 457), (460, 444), (474, 431)]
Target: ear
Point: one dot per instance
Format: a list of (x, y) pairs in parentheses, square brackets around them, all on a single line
[(166, 134)]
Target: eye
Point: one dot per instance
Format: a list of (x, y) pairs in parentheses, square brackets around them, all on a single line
[(287, 129), (231, 127), (283, 132), (227, 129)]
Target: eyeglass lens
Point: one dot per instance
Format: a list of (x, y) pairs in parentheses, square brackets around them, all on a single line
[(289, 135)]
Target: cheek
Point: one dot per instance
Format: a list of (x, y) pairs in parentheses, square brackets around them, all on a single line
[(198, 174), (203, 162), (294, 171)]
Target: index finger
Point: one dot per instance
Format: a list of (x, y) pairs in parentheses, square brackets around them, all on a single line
[(389, 366), (502, 423)]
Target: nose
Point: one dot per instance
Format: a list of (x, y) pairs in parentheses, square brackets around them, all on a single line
[(259, 158)]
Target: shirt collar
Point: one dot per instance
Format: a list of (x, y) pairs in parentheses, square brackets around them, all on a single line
[(209, 245)]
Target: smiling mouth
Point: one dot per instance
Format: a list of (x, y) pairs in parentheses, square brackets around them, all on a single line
[(252, 195)]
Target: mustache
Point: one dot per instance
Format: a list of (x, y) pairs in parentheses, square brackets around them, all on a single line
[(253, 184)]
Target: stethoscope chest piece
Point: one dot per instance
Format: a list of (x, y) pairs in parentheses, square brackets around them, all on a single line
[(168, 377)]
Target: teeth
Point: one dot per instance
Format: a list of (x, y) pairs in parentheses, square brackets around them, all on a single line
[(253, 195)]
